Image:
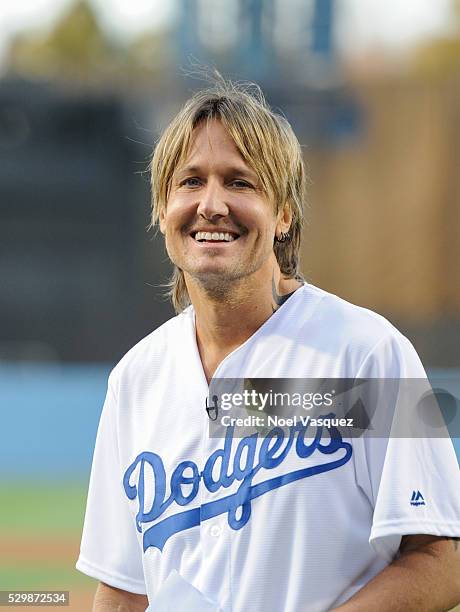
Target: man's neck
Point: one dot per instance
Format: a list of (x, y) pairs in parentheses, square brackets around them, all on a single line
[(224, 323)]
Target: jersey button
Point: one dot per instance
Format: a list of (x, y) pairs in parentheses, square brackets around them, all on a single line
[(215, 531)]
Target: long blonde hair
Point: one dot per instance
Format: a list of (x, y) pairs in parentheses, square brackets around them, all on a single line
[(266, 142)]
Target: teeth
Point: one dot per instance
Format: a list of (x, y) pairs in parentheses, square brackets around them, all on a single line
[(214, 236)]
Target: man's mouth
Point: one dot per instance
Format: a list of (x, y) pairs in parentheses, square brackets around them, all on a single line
[(214, 236)]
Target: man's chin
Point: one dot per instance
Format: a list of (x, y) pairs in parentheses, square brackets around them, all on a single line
[(212, 278)]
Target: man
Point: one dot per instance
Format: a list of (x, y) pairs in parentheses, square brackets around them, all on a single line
[(264, 522)]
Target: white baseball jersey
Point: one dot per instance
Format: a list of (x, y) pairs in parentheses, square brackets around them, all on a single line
[(250, 526)]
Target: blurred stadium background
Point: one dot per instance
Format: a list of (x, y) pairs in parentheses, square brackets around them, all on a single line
[(374, 100)]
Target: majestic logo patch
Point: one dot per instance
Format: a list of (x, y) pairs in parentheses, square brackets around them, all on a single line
[(417, 499), (271, 454)]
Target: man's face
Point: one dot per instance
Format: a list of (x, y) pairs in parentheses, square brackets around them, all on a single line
[(219, 226)]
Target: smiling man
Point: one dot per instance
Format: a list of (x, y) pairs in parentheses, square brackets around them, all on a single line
[(292, 519), (237, 250)]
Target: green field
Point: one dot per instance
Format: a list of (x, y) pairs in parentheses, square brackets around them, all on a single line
[(40, 527), (42, 508), (36, 577)]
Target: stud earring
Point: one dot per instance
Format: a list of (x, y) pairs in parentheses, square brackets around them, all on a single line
[(283, 237)]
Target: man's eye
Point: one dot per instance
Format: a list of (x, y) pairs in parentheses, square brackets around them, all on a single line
[(190, 182), (240, 184)]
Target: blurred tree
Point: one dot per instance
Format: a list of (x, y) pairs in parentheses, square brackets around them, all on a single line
[(441, 57), (151, 54), (78, 49), (75, 48)]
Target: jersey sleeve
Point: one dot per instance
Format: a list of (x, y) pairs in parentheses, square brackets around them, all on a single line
[(412, 475), (110, 549)]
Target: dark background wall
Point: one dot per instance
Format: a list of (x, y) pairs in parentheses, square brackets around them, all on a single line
[(75, 259)]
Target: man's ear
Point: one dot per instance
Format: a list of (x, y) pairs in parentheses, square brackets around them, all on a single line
[(162, 220), (284, 220)]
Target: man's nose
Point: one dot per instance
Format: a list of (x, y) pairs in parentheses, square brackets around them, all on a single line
[(212, 203)]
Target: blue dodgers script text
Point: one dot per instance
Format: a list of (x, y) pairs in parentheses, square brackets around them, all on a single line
[(160, 532)]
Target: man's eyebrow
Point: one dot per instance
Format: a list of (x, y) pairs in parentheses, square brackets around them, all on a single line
[(188, 170), (231, 170), (243, 171)]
